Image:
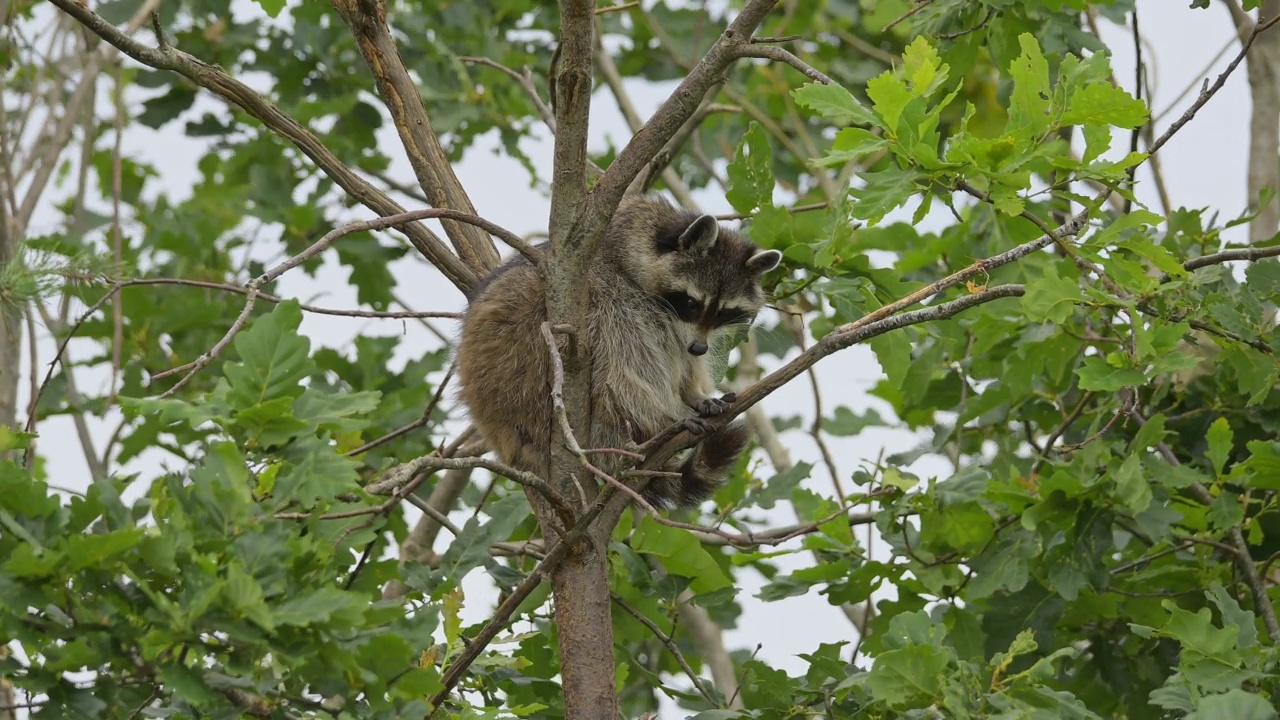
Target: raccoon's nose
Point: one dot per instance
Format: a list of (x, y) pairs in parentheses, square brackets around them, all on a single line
[(698, 347)]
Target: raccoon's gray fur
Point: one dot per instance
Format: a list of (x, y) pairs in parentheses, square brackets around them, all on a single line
[(665, 283)]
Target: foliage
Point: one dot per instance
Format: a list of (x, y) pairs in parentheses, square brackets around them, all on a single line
[(1102, 546)]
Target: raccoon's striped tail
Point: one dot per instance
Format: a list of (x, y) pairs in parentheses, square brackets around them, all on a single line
[(703, 472)]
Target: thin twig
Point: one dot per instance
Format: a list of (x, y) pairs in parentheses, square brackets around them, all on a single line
[(397, 476), (525, 80), (920, 5), (669, 643), (410, 427), (253, 286)]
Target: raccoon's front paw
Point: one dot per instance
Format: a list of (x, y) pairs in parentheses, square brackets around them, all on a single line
[(710, 407)]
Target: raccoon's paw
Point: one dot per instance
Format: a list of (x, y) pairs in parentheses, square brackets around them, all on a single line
[(710, 407), (698, 426)]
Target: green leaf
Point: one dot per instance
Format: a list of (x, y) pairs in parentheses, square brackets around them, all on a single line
[(186, 683), (833, 103), (1151, 433), (845, 423), (273, 358), (271, 423), (913, 670), (1051, 298), (779, 486), (965, 527), (1220, 439), (1098, 376), (470, 549), (1232, 614), (1105, 104), (1131, 486), (1263, 465), (751, 174), (336, 412), (885, 191), (1256, 374), (681, 554), (246, 597), (271, 7), (889, 96), (1236, 704), (321, 606), (1029, 105)]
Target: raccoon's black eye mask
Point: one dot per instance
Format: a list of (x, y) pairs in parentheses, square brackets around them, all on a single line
[(683, 305)]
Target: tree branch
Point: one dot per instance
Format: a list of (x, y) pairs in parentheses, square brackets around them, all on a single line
[(782, 55), (367, 20), (237, 93), (1237, 549), (319, 246)]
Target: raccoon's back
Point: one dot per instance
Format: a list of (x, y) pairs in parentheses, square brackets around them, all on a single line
[(504, 368)]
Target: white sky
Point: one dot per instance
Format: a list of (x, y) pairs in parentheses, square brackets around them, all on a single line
[(1204, 166)]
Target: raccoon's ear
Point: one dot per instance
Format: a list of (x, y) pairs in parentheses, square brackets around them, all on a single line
[(700, 236), (764, 261)]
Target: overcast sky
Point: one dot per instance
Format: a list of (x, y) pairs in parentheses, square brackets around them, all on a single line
[(1204, 166)]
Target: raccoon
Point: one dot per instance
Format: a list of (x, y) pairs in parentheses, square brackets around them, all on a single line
[(664, 286)]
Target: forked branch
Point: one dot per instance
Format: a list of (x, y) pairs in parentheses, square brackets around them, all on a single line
[(367, 20)]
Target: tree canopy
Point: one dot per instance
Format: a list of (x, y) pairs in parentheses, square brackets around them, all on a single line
[(272, 527)]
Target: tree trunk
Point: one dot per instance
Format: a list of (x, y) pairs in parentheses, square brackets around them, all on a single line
[(584, 620), (1264, 119), (10, 331), (10, 358)]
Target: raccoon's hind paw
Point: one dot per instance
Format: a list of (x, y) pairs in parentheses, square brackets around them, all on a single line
[(698, 426), (710, 407)]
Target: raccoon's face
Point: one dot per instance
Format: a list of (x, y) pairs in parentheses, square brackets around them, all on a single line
[(708, 277)]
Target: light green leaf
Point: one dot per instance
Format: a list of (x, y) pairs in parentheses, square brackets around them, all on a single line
[(889, 96), (1105, 104), (1236, 704), (681, 554), (1029, 105)]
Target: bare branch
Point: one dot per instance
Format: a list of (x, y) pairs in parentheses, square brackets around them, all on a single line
[(401, 474), (237, 93), (613, 79), (417, 547), (778, 54)]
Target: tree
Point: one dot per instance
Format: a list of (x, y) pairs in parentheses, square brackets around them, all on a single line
[(1094, 375)]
